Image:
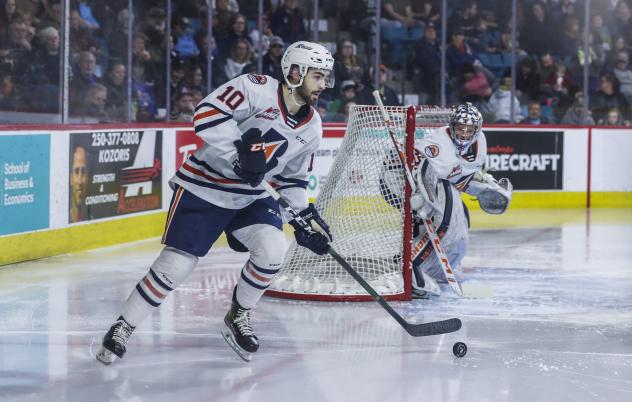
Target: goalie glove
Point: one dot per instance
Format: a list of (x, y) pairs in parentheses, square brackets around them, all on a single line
[(493, 196)]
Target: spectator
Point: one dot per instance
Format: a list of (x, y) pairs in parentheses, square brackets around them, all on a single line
[(347, 65), (255, 36), (347, 94), (608, 97), (561, 88), (601, 32), (182, 36), (545, 67), (47, 56), (620, 44), (240, 56), (52, 16), (8, 14), (428, 62), (18, 36), (500, 103), (425, 11), (570, 40), (223, 15), (236, 31), (183, 107), (194, 78), (10, 98), (388, 94), (527, 81), (143, 96), (475, 86), (84, 76), (485, 39), (117, 39), (271, 63), (288, 22), (624, 75), (613, 118), (622, 24), (397, 14), (465, 19), (93, 103), (116, 84), (540, 30), (153, 28), (575, 115), (534, 115), (459, 53), (80, 35), (178, 72)]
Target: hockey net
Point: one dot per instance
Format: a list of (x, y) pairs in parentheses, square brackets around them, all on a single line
[(372, 229)]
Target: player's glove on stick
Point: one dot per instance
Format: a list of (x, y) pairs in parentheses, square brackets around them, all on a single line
[(316, 241), (252, 157)]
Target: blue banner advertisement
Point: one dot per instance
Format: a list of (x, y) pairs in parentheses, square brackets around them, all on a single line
[(25, 177)]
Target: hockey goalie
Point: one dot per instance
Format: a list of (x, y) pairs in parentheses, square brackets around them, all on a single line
[(448, 161)]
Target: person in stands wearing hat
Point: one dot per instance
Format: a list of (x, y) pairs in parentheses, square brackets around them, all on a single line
[(271, 62), (347, 94), (388, 94)]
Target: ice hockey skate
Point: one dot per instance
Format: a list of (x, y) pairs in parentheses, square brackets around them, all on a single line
[(114, 342), (238, 332)]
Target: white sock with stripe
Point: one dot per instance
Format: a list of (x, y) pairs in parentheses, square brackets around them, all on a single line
[(167, 272), (252, 283)]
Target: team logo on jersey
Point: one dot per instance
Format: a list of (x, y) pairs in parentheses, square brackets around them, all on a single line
[(455, 171), (257, 79), (269, 114), (276, 145), (432, 151)]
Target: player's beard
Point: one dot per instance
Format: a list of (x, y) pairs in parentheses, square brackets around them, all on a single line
[(307, 97)]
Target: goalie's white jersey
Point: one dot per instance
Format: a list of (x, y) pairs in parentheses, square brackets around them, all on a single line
[(250, 101), (439, 151)]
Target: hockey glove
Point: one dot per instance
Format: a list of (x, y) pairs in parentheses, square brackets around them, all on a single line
[(251, 165), (316, 240)]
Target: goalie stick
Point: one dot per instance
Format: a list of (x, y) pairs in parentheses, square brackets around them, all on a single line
[(434, 239), (424, 329)]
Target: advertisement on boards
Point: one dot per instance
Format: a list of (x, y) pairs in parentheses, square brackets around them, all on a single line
[(25, 176), (114, 173), (532, 160), (186, 144)]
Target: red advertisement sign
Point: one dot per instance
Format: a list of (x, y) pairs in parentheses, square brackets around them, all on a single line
[(186, 144)]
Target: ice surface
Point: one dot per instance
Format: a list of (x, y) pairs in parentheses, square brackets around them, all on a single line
[(551, 321)]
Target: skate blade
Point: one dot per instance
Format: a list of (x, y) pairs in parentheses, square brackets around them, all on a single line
[(105, 356), (228, 337)]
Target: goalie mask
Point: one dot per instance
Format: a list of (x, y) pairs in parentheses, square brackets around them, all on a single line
[(303, 56), (465, 126)]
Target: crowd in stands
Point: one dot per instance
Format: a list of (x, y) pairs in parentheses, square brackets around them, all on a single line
[(549, 53)]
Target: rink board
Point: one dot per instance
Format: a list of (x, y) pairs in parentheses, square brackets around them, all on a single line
[(592, 161)]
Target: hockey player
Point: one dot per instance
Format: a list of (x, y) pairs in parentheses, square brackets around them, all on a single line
[(450, 161), (254, 128)]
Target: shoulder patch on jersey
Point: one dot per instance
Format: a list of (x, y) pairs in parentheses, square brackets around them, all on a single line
[(431, 151), (269, 114), (258, 79)]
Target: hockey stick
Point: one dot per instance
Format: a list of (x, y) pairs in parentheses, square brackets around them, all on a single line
[(425, 329), (434, 239)]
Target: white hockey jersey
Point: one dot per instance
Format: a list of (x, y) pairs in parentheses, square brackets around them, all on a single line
[(220, 119), (439, 151)]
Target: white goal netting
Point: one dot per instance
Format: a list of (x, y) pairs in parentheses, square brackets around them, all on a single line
[(366, 217)]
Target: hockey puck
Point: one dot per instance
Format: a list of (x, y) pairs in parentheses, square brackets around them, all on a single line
[(459, 349)]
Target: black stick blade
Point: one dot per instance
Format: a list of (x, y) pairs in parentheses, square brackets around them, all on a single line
[(434, 328)]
